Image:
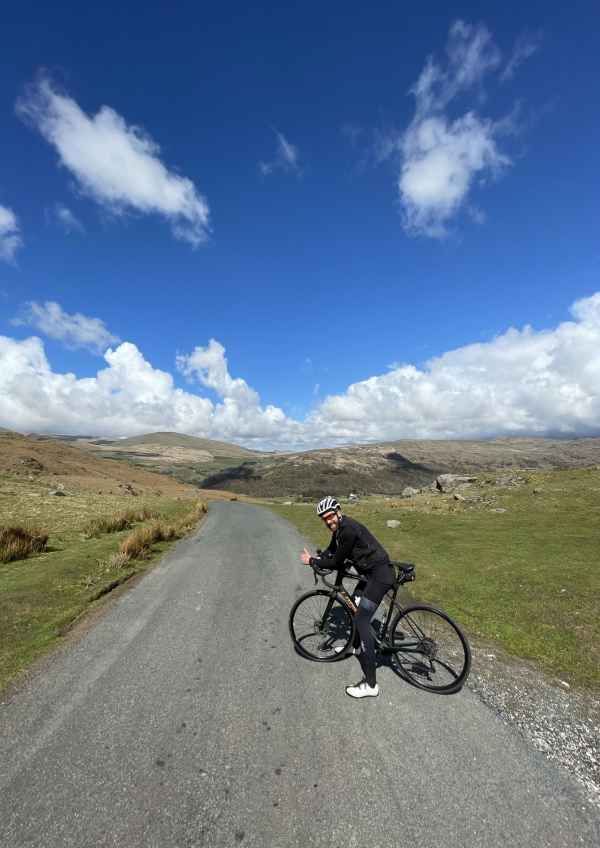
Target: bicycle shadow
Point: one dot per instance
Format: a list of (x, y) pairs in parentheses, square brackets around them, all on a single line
[(389, 660), (383, 658)]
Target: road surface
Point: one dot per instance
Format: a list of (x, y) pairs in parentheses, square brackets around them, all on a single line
[(184, 718)]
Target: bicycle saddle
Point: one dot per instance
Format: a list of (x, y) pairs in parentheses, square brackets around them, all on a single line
[(404, 570)]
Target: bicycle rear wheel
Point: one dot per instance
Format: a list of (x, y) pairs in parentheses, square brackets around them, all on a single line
[(430, 649), (319, 624)]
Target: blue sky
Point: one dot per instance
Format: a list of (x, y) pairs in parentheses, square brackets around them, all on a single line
[(355, 204)]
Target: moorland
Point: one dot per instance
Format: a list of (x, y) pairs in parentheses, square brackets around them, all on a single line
[(385, 468), (512, 553)]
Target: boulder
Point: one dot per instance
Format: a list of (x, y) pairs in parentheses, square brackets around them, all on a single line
[(458, 497), (449, 482), (409, 492), (58, 492), (393, 523)]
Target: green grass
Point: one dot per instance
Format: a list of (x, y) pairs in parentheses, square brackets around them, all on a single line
[(528, 578), (42, 595)]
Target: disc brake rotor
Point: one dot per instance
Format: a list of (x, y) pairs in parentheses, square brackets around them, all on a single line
[(428, 647)]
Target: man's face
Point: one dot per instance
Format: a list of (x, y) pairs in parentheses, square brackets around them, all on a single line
[(332, 520)]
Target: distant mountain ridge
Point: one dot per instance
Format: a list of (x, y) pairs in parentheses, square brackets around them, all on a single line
[(383, 468), (171, 439), (389, 467)]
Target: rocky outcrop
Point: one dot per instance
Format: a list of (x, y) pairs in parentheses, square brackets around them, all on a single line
[(409, 492), (448, 483)]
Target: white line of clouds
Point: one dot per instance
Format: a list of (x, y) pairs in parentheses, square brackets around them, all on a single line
[(75, 331), (522, 382), (525, 46), (10, 234), (114, 163)]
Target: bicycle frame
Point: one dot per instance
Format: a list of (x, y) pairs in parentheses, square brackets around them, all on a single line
[(339, 593)]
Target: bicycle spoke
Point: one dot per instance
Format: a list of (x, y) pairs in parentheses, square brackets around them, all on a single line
[(319, 624), (429, 649)]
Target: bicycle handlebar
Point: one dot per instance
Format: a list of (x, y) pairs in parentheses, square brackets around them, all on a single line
[(322, 572)]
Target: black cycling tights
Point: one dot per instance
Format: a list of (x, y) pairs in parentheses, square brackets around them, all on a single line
[(371, 593)]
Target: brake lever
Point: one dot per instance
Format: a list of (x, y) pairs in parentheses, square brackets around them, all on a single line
[(319, 552)]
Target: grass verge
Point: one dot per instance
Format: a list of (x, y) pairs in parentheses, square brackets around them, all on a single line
[(41, 596), (526, 576)]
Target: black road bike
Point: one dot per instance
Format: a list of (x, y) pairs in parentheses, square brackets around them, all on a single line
[(422, 642)]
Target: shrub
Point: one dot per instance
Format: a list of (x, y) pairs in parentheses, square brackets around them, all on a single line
[(18, 542)]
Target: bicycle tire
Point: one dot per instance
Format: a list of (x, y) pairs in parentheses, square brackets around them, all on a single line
[(430, 649), (318, 624)]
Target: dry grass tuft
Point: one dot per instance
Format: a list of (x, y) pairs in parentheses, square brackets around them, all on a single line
[(19, 543), (142, 514), (118, 560), (137, 545), (116, 523)]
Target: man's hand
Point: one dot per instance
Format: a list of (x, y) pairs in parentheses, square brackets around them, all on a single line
[(305, 557)]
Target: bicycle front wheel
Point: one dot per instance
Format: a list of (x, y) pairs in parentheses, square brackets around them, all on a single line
[(430, 649), (320, 624)]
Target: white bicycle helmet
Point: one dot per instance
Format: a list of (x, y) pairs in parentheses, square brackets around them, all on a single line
[(328, 504)]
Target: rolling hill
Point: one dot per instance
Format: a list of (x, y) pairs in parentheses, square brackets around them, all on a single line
[(385, 468)]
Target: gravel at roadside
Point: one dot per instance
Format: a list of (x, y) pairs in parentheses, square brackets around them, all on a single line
[(560, 721)]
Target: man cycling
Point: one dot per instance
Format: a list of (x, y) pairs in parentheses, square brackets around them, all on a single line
[(351, 540)]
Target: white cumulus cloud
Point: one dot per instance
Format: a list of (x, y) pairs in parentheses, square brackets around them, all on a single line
[(10, 235), (441, 160), (130, 396), (76, 331), (240, 411), (522, 382), (114, 163), (442, 157)]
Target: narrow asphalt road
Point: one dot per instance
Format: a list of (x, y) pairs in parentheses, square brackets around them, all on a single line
[(183, 717)]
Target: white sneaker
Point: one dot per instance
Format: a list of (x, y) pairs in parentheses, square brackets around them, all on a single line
[(350, 651), (363, 690)]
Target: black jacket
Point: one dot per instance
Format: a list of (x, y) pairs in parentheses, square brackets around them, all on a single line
[(352, 541)]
